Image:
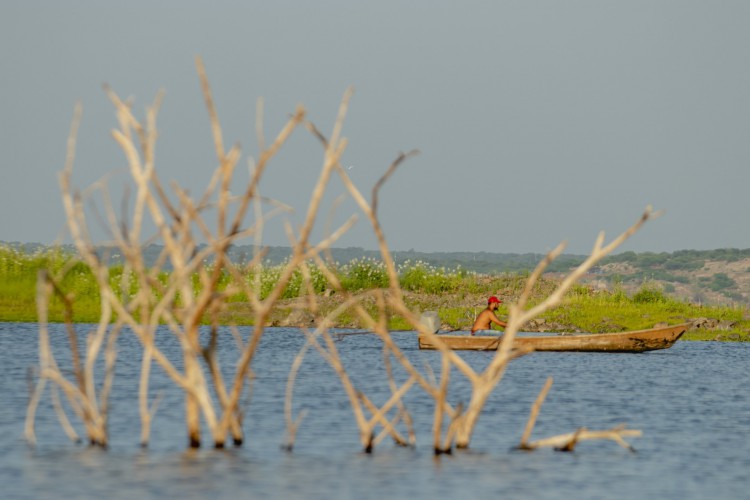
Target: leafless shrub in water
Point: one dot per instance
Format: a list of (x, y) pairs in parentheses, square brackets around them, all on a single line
[(88, 401), (174, 301), (144, 299)]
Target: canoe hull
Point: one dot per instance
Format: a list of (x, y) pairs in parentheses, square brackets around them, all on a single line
[(634, 341)]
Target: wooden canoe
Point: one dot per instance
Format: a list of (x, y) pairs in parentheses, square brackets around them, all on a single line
[(633, 341)]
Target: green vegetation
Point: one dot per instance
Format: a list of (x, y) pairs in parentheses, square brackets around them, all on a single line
[(603, 312), (363, 274), (457, 294), (721, 281), (18, 277)]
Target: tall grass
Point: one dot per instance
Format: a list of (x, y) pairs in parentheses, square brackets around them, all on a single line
[(18, 276), (604, 311)]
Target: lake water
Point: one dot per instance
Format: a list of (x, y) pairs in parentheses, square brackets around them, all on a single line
[(692, 403)]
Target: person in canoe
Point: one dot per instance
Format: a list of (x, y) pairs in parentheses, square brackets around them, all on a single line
[(487, 317)]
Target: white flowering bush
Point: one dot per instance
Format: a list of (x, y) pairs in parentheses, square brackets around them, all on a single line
[(363, 274), (420, 276)]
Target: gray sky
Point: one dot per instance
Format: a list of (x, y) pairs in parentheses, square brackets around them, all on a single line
[(537, 121)]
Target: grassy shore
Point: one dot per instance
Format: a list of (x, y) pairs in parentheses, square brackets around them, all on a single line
[(457, 295)]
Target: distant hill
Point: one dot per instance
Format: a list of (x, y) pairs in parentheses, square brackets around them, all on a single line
[(705, 277), (719, 276), (480, 262)]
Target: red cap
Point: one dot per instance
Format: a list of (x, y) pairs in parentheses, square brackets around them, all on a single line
[(494, 299)]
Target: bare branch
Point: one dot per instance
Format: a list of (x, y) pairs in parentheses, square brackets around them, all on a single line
[(568, 442), (535, 412)]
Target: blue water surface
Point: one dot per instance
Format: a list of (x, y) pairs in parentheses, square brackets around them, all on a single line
[(691, 402)]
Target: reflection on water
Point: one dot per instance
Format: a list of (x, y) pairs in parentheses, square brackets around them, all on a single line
[(691, 402)]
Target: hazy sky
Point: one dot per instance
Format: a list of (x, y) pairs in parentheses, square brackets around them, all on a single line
[(537, 121)]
